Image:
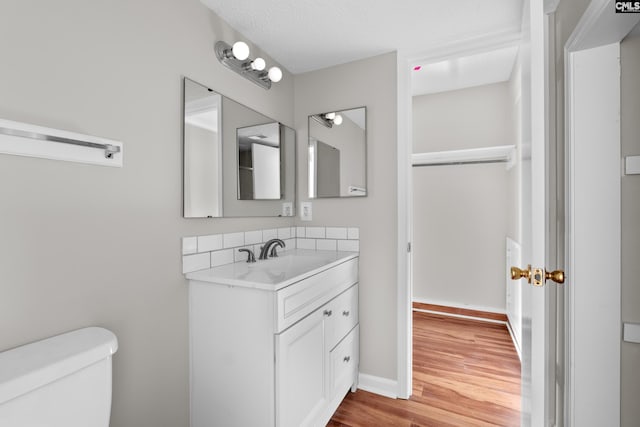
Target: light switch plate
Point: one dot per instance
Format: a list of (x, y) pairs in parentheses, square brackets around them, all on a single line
[(287, 209), (306, 213)]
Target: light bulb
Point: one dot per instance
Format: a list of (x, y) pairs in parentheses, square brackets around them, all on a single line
[(330, 116), (258, 64), (275, 74), (240, 50), (337, 120)]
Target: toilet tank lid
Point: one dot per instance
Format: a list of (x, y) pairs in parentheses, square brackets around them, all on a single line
[(26, 368)]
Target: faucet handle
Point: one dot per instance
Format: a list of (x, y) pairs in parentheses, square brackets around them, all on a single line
[(250, 256)]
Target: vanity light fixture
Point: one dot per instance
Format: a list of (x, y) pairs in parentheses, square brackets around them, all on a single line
[(236, 57), (328, 119)]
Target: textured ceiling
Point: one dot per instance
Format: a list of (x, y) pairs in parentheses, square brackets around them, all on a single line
[(305, 35)]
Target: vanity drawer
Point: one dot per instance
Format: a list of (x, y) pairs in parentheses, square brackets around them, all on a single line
[(298, 300), (344, 360), (341, 315)]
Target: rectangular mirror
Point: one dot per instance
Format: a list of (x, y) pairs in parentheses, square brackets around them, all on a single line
[(337, 158), (237, 162)]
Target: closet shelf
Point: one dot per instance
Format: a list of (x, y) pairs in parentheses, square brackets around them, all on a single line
[(496, 154)]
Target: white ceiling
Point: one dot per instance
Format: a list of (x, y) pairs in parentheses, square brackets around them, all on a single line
[(306, 35), (465, 71)]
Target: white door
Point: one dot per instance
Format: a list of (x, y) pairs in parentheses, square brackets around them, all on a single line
[(266, 172), (538, 320)]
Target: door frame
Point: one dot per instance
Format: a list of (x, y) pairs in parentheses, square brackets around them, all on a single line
[(405, 62), (541, 383), (592, 352)]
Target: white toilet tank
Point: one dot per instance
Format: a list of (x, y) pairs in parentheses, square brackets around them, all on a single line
[(63, 381)]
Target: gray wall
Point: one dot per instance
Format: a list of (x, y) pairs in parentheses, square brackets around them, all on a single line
[(84, 245), (371, 83), (467, 118), (462, 214), (630, 133)]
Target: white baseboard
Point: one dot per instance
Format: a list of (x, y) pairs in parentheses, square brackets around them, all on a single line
[(516, 344), (460, 305), (378, 385)]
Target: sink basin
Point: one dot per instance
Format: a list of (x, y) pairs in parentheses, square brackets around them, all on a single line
[(273, 273), (289, 261)]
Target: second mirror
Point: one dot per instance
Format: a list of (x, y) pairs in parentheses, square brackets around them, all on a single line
[(338, 153)]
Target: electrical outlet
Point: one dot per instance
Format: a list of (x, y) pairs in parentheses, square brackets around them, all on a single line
[(306, 213), (287, 209)]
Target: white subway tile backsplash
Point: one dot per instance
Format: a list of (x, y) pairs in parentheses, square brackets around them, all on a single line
[(209, 243), (202, 252), (232, 240), (353, 233), (269, 234), (222, 257), (349, 245), (326, 245), (253, 237), (289, 244), (315, 232), (284, 233), (189, 245), (195, 262), (336, 232), (306, 244)]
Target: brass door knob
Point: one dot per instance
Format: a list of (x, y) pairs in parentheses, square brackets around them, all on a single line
[(557, 276), (517, 274)]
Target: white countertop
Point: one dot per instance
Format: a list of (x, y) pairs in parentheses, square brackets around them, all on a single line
[(275, 273)]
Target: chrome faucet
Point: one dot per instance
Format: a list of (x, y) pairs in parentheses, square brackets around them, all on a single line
[(271, 244)]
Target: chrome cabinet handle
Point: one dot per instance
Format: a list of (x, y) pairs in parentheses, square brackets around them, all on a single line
[(328, 313), (346, 359), (346, 313)]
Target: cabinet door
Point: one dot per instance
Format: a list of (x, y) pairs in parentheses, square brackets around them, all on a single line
[(300, 372)]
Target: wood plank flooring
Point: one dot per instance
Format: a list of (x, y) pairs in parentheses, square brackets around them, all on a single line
[(465, 373), (462, 311)]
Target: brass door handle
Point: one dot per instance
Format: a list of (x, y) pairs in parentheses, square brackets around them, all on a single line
[(517, 274), (537, 275), (557, 276)]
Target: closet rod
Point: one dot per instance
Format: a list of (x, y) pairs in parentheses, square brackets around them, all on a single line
[(109, 150), (470, 162)]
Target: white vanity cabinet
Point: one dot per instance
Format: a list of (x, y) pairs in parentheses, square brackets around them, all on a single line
[(273, 354)]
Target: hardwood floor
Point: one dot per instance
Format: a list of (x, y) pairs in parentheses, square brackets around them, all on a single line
[(465, 373), (462, 311)]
